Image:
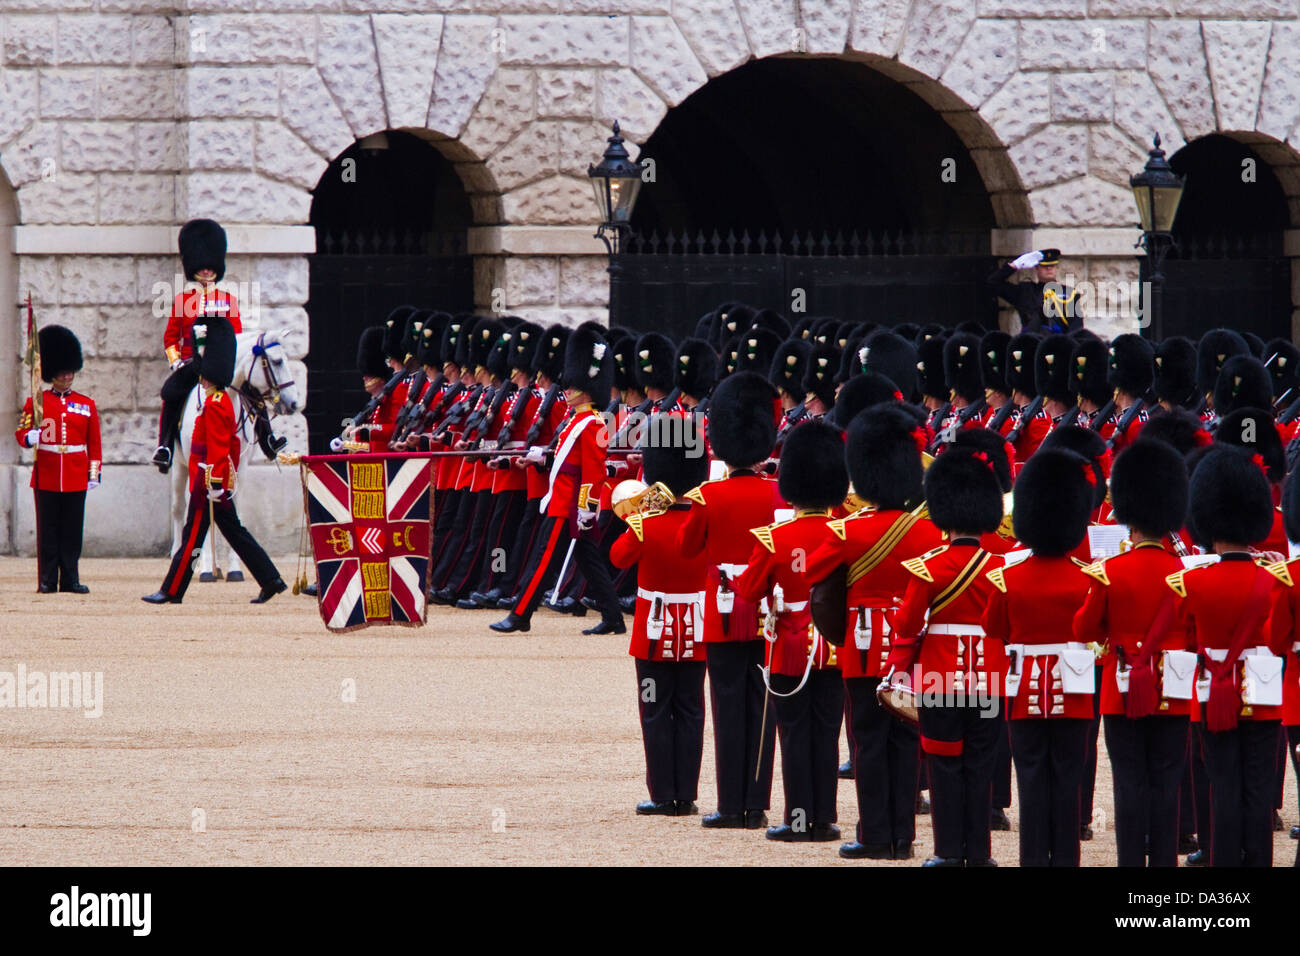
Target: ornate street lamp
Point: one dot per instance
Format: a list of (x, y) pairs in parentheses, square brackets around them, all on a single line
[(616, 181), (1157, 192)]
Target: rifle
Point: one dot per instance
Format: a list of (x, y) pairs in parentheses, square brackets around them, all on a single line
[(486, 396), (1000, 416), (1102, 416), (1290, 414), (420, 411), (1031, 412), (458, 414), (401, 423), (1070, 417), (360, 417), (543, 413), (504, 391), (963, 416), (1124, 422), (634, 416)]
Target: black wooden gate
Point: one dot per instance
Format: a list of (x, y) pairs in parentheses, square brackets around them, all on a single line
[(667, 284)]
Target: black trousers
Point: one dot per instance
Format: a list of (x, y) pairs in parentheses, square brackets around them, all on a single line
[(1002, 769), (446, 503), (507, 510), (587, 552), (196, 529), (521, 551), (886, 753), (463, 576), (671, 696), (1049, 757), (60, 516), (454, 540), (1147, 758), (174, 391), (1240, 763), (736, 692), (809, 729), (1089, 783), (961, 784), (1200, 784)]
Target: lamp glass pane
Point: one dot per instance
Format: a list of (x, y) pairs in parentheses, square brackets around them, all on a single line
[(1142, 196), (622, 195), (600, 186), (1166, 206)]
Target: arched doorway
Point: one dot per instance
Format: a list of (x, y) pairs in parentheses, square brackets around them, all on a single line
[(1229, 267), (391, 219), (818, 174)]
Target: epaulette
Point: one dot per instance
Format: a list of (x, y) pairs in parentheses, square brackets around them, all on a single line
[(696, 495), (1279, 570), (1097, 571), (634, 522), (996, 577), (1176, 582), (837, 525), (764, 536), (917, 567)]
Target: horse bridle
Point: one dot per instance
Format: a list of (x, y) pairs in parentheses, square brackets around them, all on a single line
[(273, 387)]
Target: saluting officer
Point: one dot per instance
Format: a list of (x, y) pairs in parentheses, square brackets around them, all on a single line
[(1044, 304)]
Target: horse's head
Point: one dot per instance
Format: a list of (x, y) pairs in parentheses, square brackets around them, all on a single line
[(271, 374)]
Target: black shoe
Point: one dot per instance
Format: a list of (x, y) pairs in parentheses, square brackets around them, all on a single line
[(77, 588), (723, 821), (922, 805), (206, 577), (566, 606), (1085, 831), (486, 599), (628, 604), (45, 589), (1295, 833), (467, 604), (998, 820), (686, 808), (982, 864), (651, 808), (508, 603), (311, 589), (866, 851), (1278, 825), (825, 833), (943, 861), (1199, 858), (160, 597), (445, 596), (755, 819), (846, 770), (902, 851), (788, 834), (271, 590), (607, 627), (163, 458), (234, 577), (589, 603), (510, 623), (1187, 844)]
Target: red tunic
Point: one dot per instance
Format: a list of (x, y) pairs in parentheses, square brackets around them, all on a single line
[(537, 478), (1032, 435), (878, 589), (1034, 603), (68, 454), (191, 306), (578, 470), (1284, 632), (214, 442), (514, 479), (380, 425), (651, 543)]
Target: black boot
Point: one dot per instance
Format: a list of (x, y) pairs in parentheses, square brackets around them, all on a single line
[(607, 627), (160, 597), (269, 591), (510, 623), (163, 458)]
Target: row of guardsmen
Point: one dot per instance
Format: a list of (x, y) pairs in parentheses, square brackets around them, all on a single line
[(893, 522)]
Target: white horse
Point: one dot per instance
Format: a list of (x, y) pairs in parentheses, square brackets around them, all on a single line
[(261, 362)]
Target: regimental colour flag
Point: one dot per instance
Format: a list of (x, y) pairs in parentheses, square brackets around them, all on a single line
[(371, 537)]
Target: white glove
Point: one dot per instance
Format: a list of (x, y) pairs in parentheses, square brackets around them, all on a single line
[(92, 484), (586, 520), (535, 454), (32, 437), (216, 493), (177, 364), (1028, 260)]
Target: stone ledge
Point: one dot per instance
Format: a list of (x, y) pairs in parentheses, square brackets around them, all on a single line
[(1092, 242), (156, 240), (535, 240)]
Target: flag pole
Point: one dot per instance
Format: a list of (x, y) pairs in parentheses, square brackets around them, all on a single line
[(37, 400)]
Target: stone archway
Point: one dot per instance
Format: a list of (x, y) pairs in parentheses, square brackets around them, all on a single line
[(10, 348)]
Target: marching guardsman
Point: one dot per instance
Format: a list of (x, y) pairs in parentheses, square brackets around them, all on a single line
[(741, 431), (656, 370), (997, 390), (214, 458), (1284, 632), (888, 353), (1252, 429), (884, 463), (806, 689), (1044, 305), (1052, 377), (1050, 680), (941, 651), (819, 380), (1224, 608), (1029, 423), (1131, 373), (668, 628), (67, 462), (1089, 367), (1174, 383), (695, 375), (936, 396), (572, 504), (1131, 614), (961, 368), (1212, 351), (375, 372), (789, 366)]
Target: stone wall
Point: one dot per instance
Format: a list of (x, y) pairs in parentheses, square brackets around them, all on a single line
[(120, 119)]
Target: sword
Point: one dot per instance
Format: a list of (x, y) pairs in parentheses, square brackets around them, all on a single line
[(559, 581)]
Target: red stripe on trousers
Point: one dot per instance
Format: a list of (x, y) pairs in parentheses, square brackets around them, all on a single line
[(542, 565)]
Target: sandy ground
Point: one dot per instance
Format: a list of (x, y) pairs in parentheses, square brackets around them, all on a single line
[(225, 738)]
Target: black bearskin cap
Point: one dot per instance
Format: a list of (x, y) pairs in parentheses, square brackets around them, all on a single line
[(1148, 487), (1175, 372), (673, 453), (588, 364), (892, 356), (813, 473), (1255, 344), (696, 368), (1132, 364), (1253, 430), (1243, 383), (1052, 368), (1054, 501), (727, 357), (962, 491), (1087, 444), (395, 332), (859, 393), (411, 336), (908, 330), (624, 350), (819, 379), (991, 444), (370, 354), (1177, 427), (755, 350), (453, 338), (430, 349), (523, 346), (202, 245), (789, 365), (549, 357), (654, 362), (217, 364), (60, 351), (1229, 499), (961, 365), (732, 321), (849, 363), (1089, 365), (482, 337), (993, 361), (884, 456), (1283, 367), (1022, 352), (1215, 348), (497, 360), (742, 419), (770, 320)]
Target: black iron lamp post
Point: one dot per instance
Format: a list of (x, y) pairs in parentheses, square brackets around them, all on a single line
[(616, 182), (1157, 192)]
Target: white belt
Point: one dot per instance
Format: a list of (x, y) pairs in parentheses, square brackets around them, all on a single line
[(61, 449), (733, 571), (1218, 654), (687, 597), (792, 606), (956, 630), (1046, 650)]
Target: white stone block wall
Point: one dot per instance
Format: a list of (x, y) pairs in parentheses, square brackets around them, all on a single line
[(120, 119)]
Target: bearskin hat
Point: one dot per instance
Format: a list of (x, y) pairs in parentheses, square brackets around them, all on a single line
[(654, 362), (497, 360), (548, 360), (727, 359), (892, 356), (482, 337), (928, 331), (370, 354), (1175, 371), (991, 444), (756, 349), (1148, 487), (411, 336), (849, 363), (429, 350), (908, 330), (1132, 364), (696, 368), (803, 328), (624, 351), (742, 419), (961, 365), (1055, 491), (861, 392), (1243, 383), (60, 351), (217, 364), (1255, 344), (1291, 508), (884, 456), (789, 365), (819, 379), (929, 365), (395, 332), (1229, 499), (1022, 352), (1177, 427), (1253, 430), (1087, 444), (202, 245), (1215, 348), (993, 361), (770, 320), (1283, 367), (734, 320), (962, 491), (824, 330), (588, 364), (813, 473), (453, 336), (704, 325), (1089, 365), (1053, 371), (523, 346), (673, 452)]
